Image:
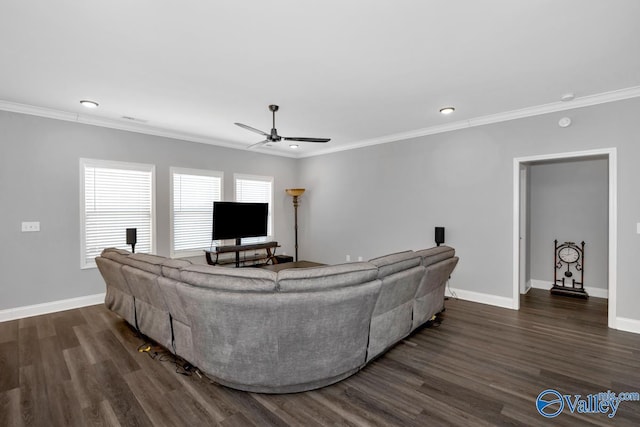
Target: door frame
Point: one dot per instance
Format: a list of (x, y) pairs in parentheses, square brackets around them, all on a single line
[(611, 155)]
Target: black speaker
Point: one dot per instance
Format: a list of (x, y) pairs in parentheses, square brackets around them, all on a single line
[(439, 235), (132, 238)]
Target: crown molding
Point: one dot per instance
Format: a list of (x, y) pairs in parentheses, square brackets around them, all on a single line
[(584, 101), (580, 102), (142, 128)]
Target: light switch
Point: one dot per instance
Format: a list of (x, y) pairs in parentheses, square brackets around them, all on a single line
[(638, 228), (30, 226)]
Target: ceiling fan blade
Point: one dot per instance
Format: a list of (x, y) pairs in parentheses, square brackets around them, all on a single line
[(306, 139), (252, 129), (266, 141)]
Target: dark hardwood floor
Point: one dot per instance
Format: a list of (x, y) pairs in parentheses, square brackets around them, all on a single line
[(482, 366)]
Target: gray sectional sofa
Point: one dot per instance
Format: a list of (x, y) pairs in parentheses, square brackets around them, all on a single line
[(277, 332)]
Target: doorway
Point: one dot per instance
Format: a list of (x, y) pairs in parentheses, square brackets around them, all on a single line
[(520, 221)]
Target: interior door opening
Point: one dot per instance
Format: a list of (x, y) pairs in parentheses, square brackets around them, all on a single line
[(521, 221)]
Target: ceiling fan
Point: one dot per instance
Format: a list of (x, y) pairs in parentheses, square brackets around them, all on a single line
[(273, 136)]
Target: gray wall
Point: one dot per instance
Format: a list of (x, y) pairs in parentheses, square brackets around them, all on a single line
[(364, 202), (39, 181), (385, 198), (569, 202)]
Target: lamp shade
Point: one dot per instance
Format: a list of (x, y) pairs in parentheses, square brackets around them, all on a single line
[(294, 191)]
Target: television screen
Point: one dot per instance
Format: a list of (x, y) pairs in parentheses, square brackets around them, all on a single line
[(234, 220)]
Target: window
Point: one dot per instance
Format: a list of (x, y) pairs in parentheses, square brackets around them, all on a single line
[(115, 196), (256, 189), (193, 194)]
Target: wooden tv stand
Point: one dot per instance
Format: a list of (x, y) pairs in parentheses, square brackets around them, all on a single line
[(269, 255)]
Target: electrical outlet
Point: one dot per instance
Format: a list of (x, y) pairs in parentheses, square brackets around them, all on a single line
[(348, 258), (30, 226), (359, 258)]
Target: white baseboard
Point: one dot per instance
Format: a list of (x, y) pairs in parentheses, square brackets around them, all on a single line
[(628, 325), (488, 299), (50, 307), (593, 292)]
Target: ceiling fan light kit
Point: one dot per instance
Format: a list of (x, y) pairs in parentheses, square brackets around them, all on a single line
[(89, 104), (274, 137)]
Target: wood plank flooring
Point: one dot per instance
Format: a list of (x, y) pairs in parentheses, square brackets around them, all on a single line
[(482, 366)]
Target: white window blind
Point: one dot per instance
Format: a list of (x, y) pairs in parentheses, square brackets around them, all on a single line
[(192, 209), (256, 189), (115, 196)]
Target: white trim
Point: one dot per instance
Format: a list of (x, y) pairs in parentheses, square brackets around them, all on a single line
[(593, 292), (579, 102), (50, 307), (613, 237), (187, 171), (628, 325), (515, 297), (128, 126), (611, 154), (481, 298)]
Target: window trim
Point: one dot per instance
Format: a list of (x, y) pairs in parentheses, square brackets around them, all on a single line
[(187, 171), (98, 163), (266, 178)]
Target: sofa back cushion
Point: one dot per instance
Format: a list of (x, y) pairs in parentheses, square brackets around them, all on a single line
[(436, 275), (325, 277), (393, 263), (278, 341), (168, 289), (111, 271), (232, 279), (391, 319), (146, 262), (171, 267), (115, 254), (436, 254), (143, 286)]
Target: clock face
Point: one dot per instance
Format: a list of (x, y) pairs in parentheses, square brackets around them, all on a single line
[(568, 254)]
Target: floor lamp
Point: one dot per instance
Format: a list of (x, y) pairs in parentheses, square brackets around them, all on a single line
[(295, 193)]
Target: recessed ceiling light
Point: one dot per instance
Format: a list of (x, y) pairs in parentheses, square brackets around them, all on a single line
[(294, 146), (447, 110), (564, 122), (89, 104)]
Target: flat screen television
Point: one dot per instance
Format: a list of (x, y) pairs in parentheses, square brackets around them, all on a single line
[(235, 220)]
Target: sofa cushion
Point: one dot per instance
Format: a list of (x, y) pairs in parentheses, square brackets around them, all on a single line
[(232, 279), (436, 275), (146, 262), (115, 254), (393, 263), (325, 277), (167, 288), (171, 267), (437, 254), (115, 250)]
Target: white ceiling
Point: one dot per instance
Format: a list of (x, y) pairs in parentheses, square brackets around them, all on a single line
[(357, 72)]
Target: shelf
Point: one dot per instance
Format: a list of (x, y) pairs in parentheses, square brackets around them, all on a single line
[(267, 246)]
